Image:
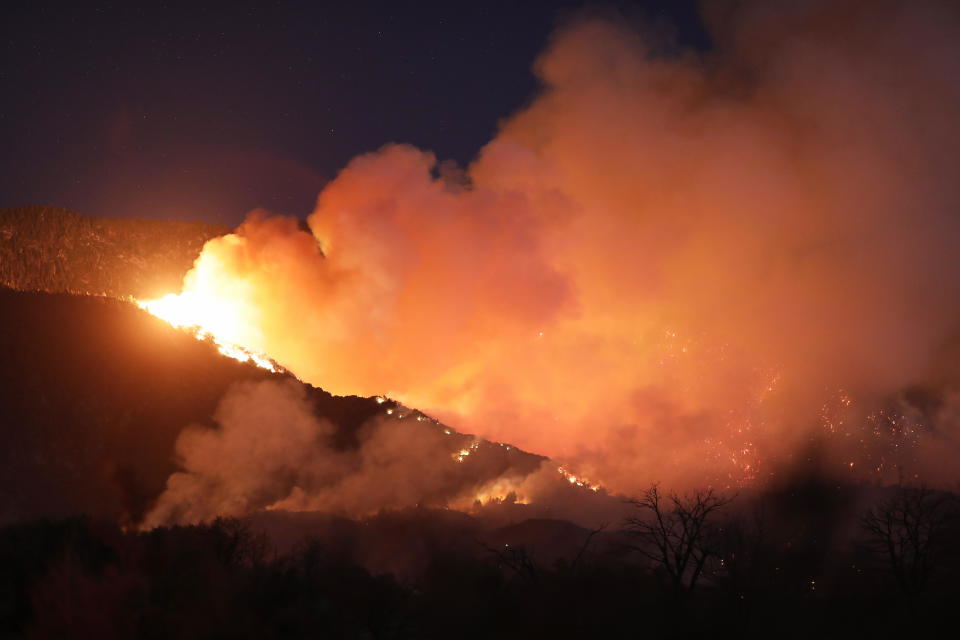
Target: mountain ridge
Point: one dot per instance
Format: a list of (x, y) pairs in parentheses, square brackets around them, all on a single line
[(56, 250)]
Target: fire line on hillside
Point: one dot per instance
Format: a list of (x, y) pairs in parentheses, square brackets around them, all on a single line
[(201, 321)]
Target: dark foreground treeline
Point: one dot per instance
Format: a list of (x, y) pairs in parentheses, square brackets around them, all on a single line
[(762, 577)]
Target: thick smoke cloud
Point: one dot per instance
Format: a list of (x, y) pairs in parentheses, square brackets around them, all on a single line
[(268, 450), (267, 434), (689, 267)]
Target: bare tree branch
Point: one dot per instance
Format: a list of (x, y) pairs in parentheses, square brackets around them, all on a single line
[(907, 528), (586, 544), (675, 532)]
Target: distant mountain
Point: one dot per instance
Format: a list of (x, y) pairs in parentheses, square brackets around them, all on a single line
[(56, 250)]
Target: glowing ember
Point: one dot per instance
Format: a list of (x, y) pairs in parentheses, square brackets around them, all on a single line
[(206, 320)]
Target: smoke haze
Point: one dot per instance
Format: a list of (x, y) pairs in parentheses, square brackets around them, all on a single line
[(269, 451), (685, 267)]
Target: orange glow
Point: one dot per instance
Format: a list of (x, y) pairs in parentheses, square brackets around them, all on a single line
[(578, 481), (206, 319), (501, 490), (653, 272)]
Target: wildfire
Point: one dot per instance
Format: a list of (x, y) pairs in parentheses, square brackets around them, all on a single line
[(576, 480), (205, 320), (462, 454)]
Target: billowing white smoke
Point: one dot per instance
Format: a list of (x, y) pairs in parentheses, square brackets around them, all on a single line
[(270, 451), (664, 268)]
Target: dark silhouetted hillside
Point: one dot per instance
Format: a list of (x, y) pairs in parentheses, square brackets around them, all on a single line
[(94, 393), (56, 250)]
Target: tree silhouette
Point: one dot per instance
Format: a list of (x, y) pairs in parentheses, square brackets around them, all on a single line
[(675, 533), (908, 530)]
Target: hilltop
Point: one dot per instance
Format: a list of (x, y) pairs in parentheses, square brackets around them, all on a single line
[(59, 251)]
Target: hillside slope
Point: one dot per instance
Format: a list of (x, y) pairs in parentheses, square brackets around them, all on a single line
[(95, 393)]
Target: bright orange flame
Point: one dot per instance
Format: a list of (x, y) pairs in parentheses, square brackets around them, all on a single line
[(578, 481), (206, 318)]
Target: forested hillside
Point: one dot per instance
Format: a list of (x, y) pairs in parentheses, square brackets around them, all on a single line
[(95, 393), (56, 250)]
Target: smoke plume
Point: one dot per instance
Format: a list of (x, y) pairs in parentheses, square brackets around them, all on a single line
[(268, 450), (672, 265)]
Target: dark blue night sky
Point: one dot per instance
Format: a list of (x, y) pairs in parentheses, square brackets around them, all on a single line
[(206, 112)]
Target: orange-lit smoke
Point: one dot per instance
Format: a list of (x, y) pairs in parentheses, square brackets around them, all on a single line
[(664, 267), (270, 451)]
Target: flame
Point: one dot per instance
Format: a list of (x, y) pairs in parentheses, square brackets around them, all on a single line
[(206, 319), (578, 480), (462, 454), (502, 490)]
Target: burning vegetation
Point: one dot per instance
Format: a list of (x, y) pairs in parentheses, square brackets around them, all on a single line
[(659, 270), (205, 320), (728, 273)]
